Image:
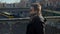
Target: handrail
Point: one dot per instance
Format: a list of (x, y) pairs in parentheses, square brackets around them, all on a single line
[(48, 17), (7, 15), (52, 11)]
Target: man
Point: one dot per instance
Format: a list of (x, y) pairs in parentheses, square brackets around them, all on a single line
[(36, 24)]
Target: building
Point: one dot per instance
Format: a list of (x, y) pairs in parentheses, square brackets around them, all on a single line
[(23, 3), (9, 5), (4, 5), (54, 3), (17, 5), (1, 5)]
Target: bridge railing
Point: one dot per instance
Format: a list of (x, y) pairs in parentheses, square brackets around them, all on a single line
[(19, 25)]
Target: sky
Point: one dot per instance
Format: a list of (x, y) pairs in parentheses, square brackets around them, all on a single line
[(9, 1)]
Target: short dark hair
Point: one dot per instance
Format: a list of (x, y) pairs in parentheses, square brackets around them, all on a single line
[(35, 7)]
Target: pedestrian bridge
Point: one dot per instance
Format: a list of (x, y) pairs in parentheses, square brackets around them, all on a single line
[(18, 25), (24, 12)]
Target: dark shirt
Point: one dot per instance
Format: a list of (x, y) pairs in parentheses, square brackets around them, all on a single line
[(35, 26)]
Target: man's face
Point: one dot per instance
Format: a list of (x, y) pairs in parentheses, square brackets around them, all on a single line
[(32, 10), (35, 10)]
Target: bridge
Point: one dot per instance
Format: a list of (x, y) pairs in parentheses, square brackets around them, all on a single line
[(19, 25), (16, 12), (24, 12), (13, 9)]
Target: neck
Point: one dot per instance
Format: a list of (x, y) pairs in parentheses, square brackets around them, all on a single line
[(39, 14)]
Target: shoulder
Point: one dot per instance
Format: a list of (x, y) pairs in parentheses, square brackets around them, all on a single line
[(36, 17)]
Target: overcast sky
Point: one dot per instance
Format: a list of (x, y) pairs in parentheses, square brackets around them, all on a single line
[(9, 1)]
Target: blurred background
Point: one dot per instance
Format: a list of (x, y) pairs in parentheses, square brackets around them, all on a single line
[(14, 15)]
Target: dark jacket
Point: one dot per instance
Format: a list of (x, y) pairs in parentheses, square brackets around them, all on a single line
[(35, 26)]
